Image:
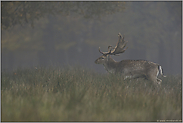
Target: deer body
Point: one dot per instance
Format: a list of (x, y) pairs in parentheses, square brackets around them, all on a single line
[(129, 68)]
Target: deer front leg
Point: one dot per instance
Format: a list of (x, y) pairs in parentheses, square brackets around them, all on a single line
[(127, 76), (159, 81)]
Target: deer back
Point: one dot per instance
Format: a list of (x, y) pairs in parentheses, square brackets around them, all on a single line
[(135, 66)]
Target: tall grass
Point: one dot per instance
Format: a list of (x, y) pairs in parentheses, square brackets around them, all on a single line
[(78, 94)]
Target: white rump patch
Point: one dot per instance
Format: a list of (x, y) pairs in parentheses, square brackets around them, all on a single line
[(161, 71)]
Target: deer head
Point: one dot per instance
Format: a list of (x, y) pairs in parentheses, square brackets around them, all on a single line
[(119, 48)]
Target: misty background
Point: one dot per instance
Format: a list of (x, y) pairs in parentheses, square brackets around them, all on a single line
[(56, 34)]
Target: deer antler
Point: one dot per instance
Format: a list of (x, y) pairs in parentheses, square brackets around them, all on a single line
[(119, 48), (104, 53), (121, 44), (109, 50)]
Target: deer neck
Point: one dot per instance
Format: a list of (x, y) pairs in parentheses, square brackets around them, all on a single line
[(110, 65)]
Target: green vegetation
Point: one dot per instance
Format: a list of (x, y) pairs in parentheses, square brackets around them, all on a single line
[(79, 94)]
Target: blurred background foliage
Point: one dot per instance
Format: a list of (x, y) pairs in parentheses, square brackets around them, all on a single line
[(66, 33)]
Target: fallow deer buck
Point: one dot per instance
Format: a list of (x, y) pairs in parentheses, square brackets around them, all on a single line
[(129, 68)]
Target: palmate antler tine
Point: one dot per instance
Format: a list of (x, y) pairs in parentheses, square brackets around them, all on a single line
[(123, 45), (124, 50), (100, 51), (104, 53), (109, 48), (120, 39), (119, 34), (117, 54)]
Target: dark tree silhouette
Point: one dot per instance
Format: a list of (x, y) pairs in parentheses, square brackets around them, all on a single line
[(14, 13)]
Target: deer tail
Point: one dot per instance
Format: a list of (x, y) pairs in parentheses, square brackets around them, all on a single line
[(161, 71)]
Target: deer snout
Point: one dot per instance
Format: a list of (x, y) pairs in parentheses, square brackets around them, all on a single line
[(96, 61)]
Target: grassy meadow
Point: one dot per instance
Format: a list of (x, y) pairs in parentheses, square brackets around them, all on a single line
[(79, 94)]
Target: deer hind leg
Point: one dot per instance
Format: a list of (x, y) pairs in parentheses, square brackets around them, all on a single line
[(153, 78), (156, 81), (159, 81)]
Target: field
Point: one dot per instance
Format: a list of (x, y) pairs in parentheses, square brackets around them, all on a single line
[(79, 94)]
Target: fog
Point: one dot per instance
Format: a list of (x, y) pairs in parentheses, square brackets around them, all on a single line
[(58, 34)]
